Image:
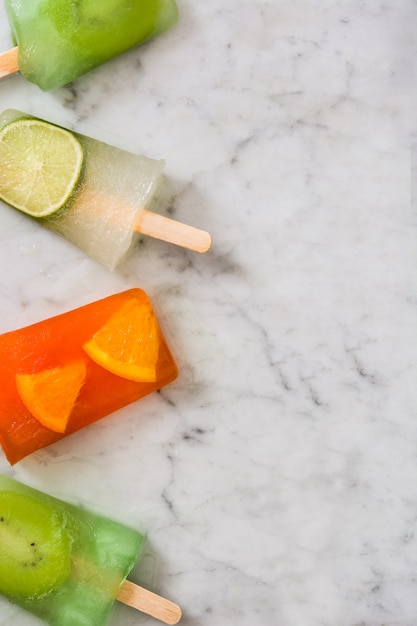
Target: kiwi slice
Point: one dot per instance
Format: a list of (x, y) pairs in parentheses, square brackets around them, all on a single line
[(35, 555)]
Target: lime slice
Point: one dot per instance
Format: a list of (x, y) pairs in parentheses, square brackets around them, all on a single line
[(40, 165)]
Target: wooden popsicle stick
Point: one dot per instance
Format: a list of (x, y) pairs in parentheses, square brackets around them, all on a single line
[(8, 62), (171, 231), (150, 603), (147, 222)]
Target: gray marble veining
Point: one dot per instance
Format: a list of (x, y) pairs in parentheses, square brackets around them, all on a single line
[(276, 478)]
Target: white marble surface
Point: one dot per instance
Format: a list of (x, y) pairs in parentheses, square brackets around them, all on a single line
[(276, 478)]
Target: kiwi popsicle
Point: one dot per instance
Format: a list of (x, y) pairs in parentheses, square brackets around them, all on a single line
[(68, 371), (95, 195), (67, 565), (59, 41)]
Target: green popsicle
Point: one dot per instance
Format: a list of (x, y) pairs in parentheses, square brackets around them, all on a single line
[(59, 41), (67, 565)]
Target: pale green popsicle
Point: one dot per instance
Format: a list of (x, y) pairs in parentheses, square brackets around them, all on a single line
[(110, 201), (59, 41), (64, 564)]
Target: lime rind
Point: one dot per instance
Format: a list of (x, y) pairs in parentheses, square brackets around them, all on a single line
[(40, 164)]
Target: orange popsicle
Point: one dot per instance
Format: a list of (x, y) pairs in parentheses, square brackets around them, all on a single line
[(68, 371)]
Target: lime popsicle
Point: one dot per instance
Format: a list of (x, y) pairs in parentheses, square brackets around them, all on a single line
[(58, 41), (66, 372), (95, 195), (67, 565)]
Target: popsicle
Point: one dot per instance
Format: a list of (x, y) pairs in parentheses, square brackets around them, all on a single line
[(95, 195), (68, 371), (67, 565), (57, 41)]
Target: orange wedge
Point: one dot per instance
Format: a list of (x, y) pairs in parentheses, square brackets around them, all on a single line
[(128, 344), (51, 394)]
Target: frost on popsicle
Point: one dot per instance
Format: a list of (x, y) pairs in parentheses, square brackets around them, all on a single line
[(68, 371), (59, 41)]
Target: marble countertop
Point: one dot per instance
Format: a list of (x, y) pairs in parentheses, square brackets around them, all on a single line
[(276, 477)]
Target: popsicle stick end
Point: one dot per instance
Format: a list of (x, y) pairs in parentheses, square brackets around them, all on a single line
[(150, 603), (171, 231), (205, 242)]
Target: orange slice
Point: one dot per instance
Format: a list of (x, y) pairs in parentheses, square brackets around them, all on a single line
[(128, 344), (50, 395)]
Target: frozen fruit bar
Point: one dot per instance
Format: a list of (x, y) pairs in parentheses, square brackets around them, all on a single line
[(93, 194), (59, 41), (67, 565), (65, 372)]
